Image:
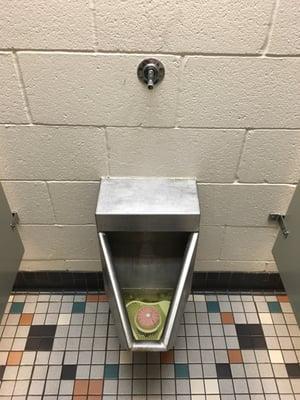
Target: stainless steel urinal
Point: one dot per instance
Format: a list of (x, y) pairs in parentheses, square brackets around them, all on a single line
[(148, 231)]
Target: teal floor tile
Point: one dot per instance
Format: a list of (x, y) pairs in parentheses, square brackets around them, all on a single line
[(274, 307), (111, 371), (213, 306), (78, 308), (16, 308), (181, 371)]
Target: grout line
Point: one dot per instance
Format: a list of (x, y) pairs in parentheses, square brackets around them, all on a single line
[(263, 184), (51, 201), (107, 149), (271, 226), (22, 87), (186, 349), (75, 181), (147, 127), (93, 342), (266, 44), (181, 66), (154, 52), (198, 332), (106, 343), (273, 55), (49, 181), (59, 225), (200, 183), (242, 151), (92, 7), (119, 359), (84, 260), (64, 269), (132, 371), (61, 259), (222, 243)]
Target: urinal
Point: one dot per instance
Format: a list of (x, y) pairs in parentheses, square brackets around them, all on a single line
[(148, 230)]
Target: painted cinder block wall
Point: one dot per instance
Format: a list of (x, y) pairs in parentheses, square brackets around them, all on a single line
[(72, 110)]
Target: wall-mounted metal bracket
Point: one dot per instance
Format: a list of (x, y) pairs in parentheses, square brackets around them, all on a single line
[(280, 218), (14, 220)]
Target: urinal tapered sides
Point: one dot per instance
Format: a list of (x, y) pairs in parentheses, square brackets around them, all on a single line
[(148, 233), (114, 280)]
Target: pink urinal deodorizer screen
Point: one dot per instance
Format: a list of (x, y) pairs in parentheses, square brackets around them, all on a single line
[(148, 318)]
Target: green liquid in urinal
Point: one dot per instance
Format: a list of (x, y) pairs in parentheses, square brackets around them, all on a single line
[(135, 299)]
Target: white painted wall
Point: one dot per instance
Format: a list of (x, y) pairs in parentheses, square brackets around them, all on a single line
[(72, 110)]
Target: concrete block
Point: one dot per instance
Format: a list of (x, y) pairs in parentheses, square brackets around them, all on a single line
[(52, 153), (271, 156), (183, 26), (235, 266), (12, 107), (40, 24), (248, 243), (43, 265), (83, 265), (201, 265), (55, 242), (242, 205), (240, 92), (285, 37), (210, 243), (100, 89), (210, 155), (61, 265), (74, 202), (31, 201)]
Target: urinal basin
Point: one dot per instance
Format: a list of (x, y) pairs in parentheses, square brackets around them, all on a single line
[(148, 233)]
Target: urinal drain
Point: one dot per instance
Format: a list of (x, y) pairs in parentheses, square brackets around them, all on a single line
[(147, 320)]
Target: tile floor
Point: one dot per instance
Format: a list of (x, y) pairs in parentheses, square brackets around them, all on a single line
[(230, 346)]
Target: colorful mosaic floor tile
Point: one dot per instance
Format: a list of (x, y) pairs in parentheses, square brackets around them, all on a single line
[(229, 347)]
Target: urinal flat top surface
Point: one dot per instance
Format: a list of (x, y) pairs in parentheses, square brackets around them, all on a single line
[(148, 203), (148, 195)]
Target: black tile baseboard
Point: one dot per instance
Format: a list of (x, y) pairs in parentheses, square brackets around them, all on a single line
[(71, 280), (58, 280)]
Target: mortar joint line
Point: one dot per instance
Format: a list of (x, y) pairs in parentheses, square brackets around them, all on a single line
[(220, 255), (51, 202), (99, 51), (107, 149), (181, 66), (139, 126), (243, 146), (199, 182), (258, 226), (271, 24), (22, 87), (92, 7)]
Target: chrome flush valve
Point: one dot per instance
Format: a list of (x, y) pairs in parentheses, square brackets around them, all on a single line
[(151, 71)]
